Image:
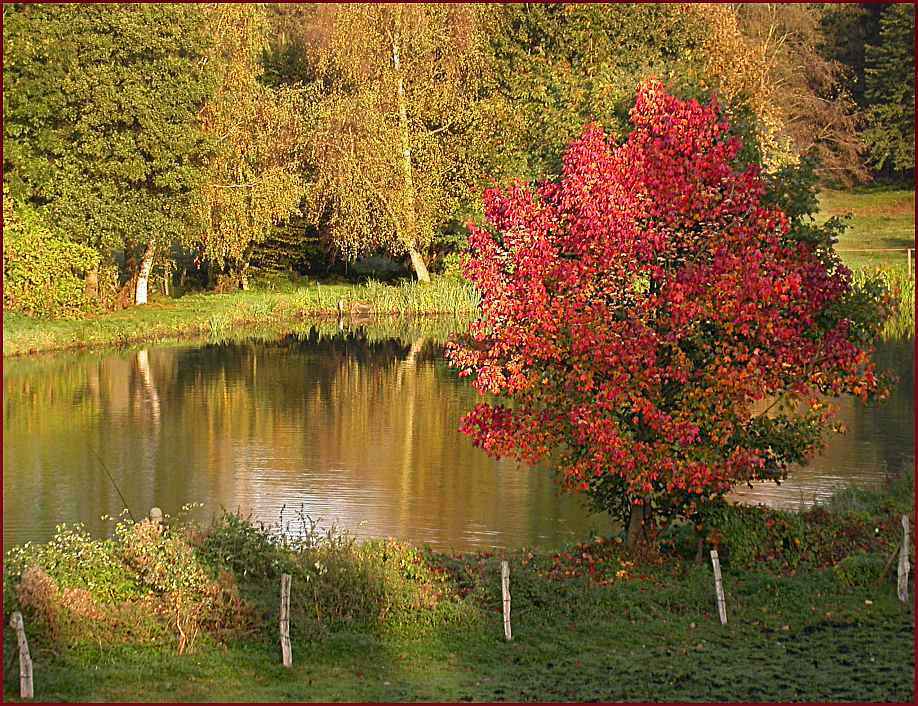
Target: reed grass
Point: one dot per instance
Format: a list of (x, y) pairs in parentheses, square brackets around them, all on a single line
[(901, 285)]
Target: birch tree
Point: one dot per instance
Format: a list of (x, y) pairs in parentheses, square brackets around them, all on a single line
[(396, 123), (253, 179)]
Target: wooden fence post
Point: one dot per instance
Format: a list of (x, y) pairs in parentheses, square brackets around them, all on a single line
[(903, 562), (719, 588), (286, 650), (505, 589), (25, 659)]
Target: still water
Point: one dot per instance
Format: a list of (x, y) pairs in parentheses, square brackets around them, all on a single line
[(353, 429)]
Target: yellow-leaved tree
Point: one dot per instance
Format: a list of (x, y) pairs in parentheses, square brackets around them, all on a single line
[(254, 177), (397, 130), (767, 57)]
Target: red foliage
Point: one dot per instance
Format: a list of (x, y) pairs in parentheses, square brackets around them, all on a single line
[(642, 311)]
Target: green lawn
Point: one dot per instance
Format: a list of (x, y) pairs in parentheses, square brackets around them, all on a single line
[(880, 218), (791, 639)]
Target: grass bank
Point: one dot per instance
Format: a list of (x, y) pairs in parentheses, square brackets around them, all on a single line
[(881, 218), (221, 315), (812, 616)]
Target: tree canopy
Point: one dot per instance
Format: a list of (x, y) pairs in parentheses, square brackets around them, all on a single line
[(254, 178), (661, 330), (394, 131), (890, 90), (100, 119), (205, 135)]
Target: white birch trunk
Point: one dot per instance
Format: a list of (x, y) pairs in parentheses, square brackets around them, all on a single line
[(411, 237), (143, 276)]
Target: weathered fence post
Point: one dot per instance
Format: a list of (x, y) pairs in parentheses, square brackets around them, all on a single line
[(25, 659), (719, 588), (903, 562), (505, 589), (286, 651)]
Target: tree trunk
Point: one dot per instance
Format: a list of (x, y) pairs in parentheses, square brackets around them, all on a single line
[(411, 236), (420, 269), (244, 276), (143, 275), (91, 284), (640, 515)]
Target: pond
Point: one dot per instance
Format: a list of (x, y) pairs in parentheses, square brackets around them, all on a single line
[(352, 427)]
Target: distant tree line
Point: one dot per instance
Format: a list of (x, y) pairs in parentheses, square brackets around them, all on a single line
[(201, 141)]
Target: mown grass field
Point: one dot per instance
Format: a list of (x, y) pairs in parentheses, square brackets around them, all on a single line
[(881, 218), (811, 616), (602, 646)]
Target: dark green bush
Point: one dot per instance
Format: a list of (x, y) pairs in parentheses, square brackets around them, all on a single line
[(859, 570), (750, 536)]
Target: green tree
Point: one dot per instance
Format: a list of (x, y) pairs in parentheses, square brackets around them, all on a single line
[(254, 178), (100, 128), (890, 90), (42, 268), (559, 66)]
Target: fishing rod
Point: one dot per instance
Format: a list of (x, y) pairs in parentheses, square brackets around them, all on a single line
[(117, 489)]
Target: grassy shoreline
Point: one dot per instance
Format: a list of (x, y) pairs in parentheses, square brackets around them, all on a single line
[(218, 315), (221, 316), (811, 615)]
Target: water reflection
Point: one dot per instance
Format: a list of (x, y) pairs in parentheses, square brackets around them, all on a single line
[(356, 428), (880, 441)]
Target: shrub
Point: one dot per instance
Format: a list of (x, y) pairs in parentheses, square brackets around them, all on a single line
[(336, 579), (859, 570), (42, 268), (749, 536), (146, 584)]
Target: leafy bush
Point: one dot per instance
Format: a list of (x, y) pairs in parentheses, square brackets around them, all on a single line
[(336, 580), (750, 536), (859, 569), (42, 268), (73, 559), (144, 585)]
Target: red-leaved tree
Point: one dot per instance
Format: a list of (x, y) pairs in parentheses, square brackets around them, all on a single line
[(662, 334)]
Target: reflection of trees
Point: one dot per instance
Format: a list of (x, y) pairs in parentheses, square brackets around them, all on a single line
[(356, 426)]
